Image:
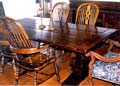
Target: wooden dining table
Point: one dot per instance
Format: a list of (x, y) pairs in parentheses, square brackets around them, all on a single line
[(71, 37)]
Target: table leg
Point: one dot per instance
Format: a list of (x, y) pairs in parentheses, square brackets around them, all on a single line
[(79, 65)]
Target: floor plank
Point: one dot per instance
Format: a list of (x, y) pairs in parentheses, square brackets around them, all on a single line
[(52, 81)]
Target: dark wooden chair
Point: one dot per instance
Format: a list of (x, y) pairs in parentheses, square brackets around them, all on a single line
[(28, 59), (105, 67), (87, 14), (60, 13)]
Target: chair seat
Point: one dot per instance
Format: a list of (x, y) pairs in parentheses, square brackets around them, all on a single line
[(107, 71), (39, 61)]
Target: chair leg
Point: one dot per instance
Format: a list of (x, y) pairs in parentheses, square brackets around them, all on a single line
[(16, 70), (63, 53), (52, 52), (2, 64), (90, 80), (57, 71), (35, 79)]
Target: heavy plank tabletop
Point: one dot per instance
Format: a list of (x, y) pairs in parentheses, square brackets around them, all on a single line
[(71, 37)]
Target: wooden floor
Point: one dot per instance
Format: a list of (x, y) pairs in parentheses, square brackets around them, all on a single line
[(96, 82), (7, 77)]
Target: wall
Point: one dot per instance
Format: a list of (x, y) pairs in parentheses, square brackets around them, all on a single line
[(55, 1), (17, 9)]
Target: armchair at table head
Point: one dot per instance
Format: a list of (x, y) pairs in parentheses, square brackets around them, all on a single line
[(6, 55), (60, 12), (87, 14), (105, 67), (27, 57)]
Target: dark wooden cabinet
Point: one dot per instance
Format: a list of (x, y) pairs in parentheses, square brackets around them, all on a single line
[(109, 15), (2, 13)]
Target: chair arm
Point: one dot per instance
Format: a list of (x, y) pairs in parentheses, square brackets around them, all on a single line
[(112, 43), (29, 50), (4, 42), (95, 55)]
